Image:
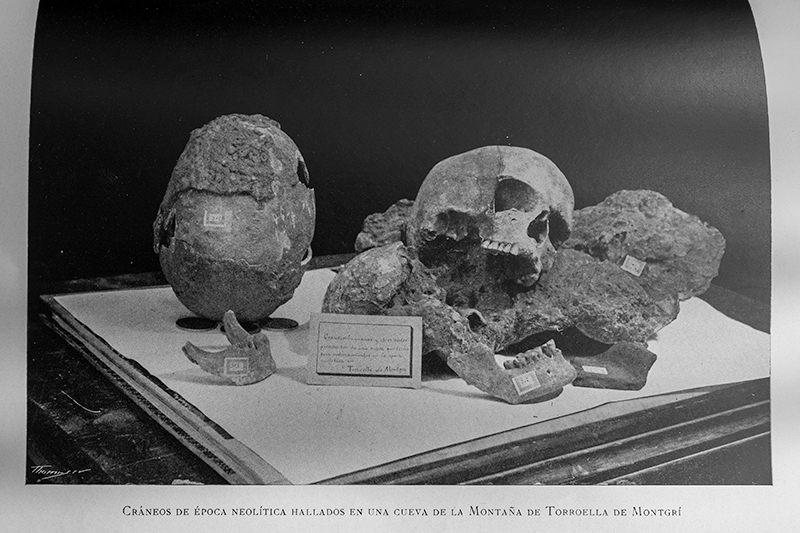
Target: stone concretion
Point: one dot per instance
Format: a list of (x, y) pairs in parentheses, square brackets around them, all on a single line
[(679, 254), (384, 228)]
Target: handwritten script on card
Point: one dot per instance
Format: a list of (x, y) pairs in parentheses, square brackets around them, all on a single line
[(365, 350), (383, 351)]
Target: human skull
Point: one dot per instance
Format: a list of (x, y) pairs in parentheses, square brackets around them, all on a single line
[(234, 229), (514, 201), (488, 222), (483, 230)]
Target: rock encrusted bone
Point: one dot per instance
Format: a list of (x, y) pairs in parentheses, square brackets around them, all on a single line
[(681, 254), (247, 360), (597, 298), (384, 228), (482, 263), (407, 288)]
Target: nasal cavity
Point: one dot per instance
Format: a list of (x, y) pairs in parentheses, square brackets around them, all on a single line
[(538, 228)]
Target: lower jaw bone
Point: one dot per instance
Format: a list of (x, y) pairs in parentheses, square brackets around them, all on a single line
[(536, 375), (247, 360)]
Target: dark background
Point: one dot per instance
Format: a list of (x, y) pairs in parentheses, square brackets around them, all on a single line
[(662, 95)]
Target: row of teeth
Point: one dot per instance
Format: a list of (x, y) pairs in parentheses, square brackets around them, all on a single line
[(503, 247)]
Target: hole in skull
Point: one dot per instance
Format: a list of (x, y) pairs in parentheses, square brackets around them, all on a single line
[(475, 321), (514, 194), (539, 227), (166, 233), (302, 173)]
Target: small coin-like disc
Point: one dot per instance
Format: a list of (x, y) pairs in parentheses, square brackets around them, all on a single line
[(279, 324), (250, 327), (196, 323)]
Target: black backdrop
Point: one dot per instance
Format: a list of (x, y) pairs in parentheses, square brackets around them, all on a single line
[(663, 95)]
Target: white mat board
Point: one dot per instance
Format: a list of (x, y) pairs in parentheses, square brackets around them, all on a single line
[(311, 433)]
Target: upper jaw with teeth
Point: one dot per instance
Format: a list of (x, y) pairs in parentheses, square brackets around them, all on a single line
[(500, 247)]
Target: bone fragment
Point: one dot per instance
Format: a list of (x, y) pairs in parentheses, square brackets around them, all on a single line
[(384, 228), (624, 366), (247, 360)]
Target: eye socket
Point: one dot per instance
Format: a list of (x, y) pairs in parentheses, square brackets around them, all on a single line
[(513, 194), (539, 227)]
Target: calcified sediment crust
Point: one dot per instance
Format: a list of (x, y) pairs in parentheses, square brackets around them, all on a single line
[(495, 256), (387, 280), (390, 281), (681, 253), (384, 228)]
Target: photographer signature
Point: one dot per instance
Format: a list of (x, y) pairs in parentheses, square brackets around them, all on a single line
[(48, 472)]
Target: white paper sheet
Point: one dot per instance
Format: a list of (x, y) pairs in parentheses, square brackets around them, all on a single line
[(311, 433)]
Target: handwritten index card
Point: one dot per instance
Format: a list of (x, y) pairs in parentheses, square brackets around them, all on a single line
[(365, 350)]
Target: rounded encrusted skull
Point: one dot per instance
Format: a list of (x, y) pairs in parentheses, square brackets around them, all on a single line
[(235, 227)]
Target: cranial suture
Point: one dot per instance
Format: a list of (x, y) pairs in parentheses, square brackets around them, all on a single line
[(484, 262)]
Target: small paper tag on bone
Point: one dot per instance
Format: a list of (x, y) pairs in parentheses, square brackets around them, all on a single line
[(633, 265), (218, 219), (595, 369), (526, 382), (237, 366)]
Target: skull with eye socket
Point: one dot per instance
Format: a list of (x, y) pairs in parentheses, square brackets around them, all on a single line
[(481, 264), (483, 230), (488, 223)]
